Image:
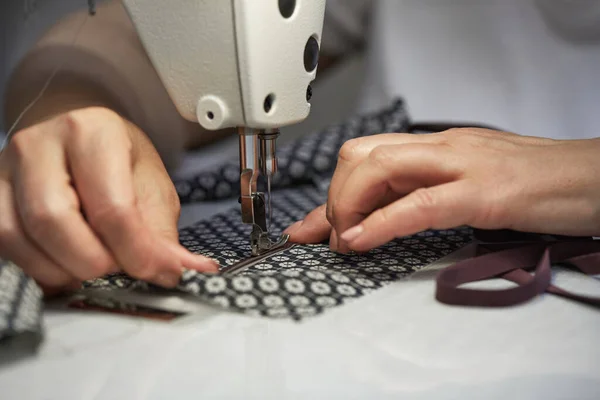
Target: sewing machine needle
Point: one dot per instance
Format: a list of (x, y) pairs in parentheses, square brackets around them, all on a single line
[(269, 204)]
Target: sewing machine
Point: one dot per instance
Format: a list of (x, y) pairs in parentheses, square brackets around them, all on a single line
[(237, 63)]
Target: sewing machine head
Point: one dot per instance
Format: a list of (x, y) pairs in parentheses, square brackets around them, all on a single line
[(237, 63)]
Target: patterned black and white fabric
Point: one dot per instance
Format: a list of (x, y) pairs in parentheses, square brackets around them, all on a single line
[(20, 302)]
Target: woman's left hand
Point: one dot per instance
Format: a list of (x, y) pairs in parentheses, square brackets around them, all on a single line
[(394, 185)]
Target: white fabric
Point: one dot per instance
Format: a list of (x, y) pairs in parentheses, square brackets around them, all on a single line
[(494, 62), (395, 343)]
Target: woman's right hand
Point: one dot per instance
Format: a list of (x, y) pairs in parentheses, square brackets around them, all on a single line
[(85, 194)]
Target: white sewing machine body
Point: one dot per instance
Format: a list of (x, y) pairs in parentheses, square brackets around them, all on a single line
[(228, 63)]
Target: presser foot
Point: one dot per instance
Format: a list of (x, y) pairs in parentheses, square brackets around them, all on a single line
[(255, 214), (260, 242)]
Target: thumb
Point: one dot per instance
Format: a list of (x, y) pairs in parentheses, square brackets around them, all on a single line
[(159, 207), (313, 229), (156, 197), (157, 201)]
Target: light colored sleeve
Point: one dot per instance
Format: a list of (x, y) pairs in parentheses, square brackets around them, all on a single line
[(577, 20), (346, 25)]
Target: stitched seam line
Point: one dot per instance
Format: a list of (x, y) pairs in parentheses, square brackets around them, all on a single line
[(249, 262)]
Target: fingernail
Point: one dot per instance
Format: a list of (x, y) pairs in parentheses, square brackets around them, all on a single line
[(168, 279), (352, 233), (293, 228)]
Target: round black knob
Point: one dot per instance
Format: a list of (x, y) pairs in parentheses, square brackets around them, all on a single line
[(311, 54)]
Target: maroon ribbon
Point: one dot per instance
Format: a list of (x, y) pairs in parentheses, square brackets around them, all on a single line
[(513, 264)]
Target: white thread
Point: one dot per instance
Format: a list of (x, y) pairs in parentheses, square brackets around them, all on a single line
[(56, 70)]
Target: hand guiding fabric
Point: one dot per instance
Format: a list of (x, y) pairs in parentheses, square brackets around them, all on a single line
[(395, 185), (85, 194)]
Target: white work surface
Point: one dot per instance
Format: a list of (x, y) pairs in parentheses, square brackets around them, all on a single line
[(397, 342)]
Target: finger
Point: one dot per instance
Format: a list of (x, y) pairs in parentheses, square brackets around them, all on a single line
[(313, 229), (156, 197), (400, 169), (102, 169), (15, 246), (334, 241), (439, 207), (355, 151), (49, 208), (158, 204), (193, 261)]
